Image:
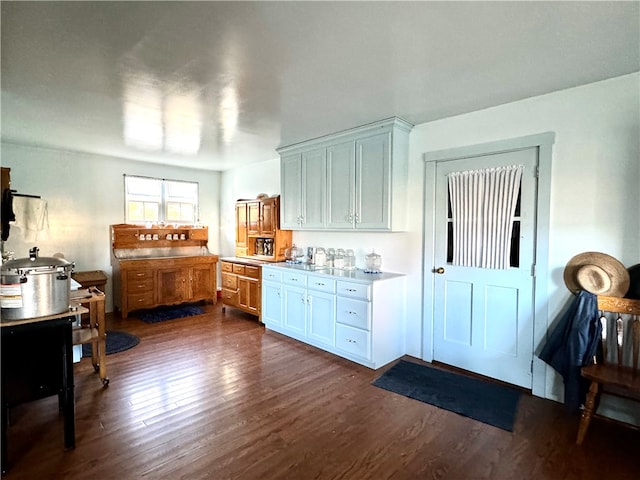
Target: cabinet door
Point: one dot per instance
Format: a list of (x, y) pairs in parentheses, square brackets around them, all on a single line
[(241, 228), (341, 186), (249, 294), (291, 187), (269, 217), (272, 304), (203, 286), (373, 182), (314, 189), (172, 285), (321, 312), (295, 311), (253, 218)]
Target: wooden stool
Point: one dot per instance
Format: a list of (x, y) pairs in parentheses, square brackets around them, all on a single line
[(93, 329)]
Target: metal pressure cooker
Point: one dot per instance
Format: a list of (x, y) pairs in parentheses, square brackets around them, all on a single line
[(34, 286)]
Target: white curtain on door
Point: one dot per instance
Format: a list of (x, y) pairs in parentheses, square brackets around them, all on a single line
[(483, 204)]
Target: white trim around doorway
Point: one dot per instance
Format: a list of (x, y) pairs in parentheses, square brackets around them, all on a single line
[(544, 142)]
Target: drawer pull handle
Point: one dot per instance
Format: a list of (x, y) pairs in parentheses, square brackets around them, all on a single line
[(351, 290), (349, 340), (352, 313), (320, 284)]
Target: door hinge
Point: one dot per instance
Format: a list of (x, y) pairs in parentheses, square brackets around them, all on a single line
[(533, 269), (531, 366), (537, 172)]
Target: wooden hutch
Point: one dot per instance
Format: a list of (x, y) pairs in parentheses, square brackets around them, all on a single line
[(161, 265), (258, 240)]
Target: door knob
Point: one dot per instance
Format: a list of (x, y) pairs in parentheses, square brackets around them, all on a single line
[(439, 270)]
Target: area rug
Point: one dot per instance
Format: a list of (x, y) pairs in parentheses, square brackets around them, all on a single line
[(116, 342), (484, 401), (161, 314)]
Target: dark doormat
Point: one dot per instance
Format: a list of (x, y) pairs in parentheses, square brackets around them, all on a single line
[(484, 401), (160, 314), (116, 342)]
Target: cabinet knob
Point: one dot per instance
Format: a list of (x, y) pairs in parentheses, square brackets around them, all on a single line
[(439, 270)]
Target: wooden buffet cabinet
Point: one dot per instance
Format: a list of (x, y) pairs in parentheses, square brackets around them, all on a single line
[(161, 266), (259, 240), (241, 285)]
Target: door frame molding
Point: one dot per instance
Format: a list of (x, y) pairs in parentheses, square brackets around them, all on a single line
[(544, 143)]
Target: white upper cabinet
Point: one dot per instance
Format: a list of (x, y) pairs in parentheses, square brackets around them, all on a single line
[(303, 184), (352, 180)]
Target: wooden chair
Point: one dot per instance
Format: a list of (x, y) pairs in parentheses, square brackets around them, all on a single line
[(617, 373), (92, 329)]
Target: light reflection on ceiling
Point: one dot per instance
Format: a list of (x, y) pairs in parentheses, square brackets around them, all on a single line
[(157, 120)]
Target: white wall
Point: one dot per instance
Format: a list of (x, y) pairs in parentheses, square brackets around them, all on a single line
[(85, 195), (595, 197)]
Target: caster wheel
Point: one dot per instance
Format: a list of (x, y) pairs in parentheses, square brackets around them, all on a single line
[(96, 368), (105, 382)]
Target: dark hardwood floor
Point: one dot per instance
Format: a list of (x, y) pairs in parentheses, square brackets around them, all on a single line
[(215, 396)]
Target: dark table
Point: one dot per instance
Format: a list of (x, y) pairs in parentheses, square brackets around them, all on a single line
[(37, 362)]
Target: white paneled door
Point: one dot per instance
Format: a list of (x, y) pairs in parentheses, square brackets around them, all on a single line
[(483, 317)]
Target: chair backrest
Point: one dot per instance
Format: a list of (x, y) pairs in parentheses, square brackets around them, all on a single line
[(620, 318)]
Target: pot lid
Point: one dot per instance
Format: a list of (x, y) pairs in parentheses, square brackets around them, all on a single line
[(34, 262)]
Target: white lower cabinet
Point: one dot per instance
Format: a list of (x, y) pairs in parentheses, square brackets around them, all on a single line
[(272, 297), (321, 316), (361, 319)]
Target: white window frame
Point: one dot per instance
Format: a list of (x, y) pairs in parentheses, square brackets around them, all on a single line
[(162, 200)]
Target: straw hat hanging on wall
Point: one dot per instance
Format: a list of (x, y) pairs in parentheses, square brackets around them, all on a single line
[(598, 273)]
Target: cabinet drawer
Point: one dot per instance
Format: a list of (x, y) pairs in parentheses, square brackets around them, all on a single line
[(322, 284), (353, 341), (226, 267), (354, 290), (230, 297), (353, 312), (140, 285), (252, 272), (294, 278), (271, 275), (239, 269), (133, 275), (229, 281), (140, 300)]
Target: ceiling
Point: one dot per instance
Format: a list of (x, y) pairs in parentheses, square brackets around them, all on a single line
[(216, 85)]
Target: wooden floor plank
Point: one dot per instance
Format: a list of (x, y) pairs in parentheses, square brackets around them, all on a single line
[(216, 397)]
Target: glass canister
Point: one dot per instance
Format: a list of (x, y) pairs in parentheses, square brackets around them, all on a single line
[(321, 257), (349, 259), (338, 259), (372, 263), (294, 254), (331, 254)]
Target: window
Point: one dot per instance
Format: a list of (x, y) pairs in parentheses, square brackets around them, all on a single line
[(158, 200)]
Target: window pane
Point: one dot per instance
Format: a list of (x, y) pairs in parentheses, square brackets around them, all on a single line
[(147, 187), (135, 211), (151, 211), (182, 190)]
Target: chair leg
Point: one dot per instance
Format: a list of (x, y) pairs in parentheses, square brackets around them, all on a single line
[(587, 413)]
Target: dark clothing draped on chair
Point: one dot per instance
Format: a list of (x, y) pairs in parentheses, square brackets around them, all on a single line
[(572, 345)]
